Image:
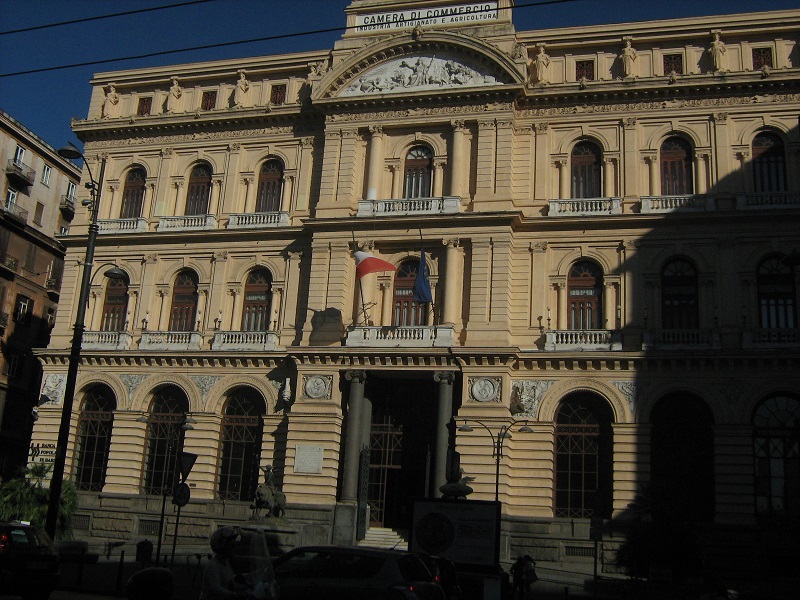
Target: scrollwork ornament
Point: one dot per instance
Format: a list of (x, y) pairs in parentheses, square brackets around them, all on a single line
[(526, 395), (132, 382), (629, 390), (204, 383)]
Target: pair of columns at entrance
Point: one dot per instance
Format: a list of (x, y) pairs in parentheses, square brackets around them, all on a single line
[(359, 422)]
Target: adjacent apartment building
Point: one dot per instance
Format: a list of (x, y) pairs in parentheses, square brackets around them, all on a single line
[(39, 191), (608, 218)]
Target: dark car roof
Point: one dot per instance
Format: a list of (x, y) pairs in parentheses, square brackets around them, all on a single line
[(364, 551)]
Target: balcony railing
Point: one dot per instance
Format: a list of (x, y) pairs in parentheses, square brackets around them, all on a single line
[(687, 203), (67, 206), (106, 340), (122, 225), (20, 172), (401, 337), (768, 200), (4, 319), (584, 207), (52, 284), (582, 339), (258, 220), (681, 339), (171, 341), (187, 223), (771, 338), (443, 205), (244, 341), (16, 212), (9, 262)]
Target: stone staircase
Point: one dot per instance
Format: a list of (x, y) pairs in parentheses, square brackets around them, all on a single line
[(383, 537)]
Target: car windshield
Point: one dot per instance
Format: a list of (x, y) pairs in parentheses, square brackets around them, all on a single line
[(250, 554), (22, 537), (413, 569)]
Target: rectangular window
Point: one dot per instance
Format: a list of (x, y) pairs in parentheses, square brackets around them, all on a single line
[(37, 216), (673, 63), (71, 189), (63, 230), (11, 368), (19, 155), (144, 106), (277, 94), (762, 57), (209, 101), (22, 309), (46, 170), (11, 197), (584, 69), (30, 259)]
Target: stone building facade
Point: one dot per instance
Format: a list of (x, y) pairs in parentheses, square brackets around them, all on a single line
[(608, 218)]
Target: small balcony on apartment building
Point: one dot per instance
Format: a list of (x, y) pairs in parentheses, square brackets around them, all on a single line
[(20, 174), (67, 206), (15, 212)]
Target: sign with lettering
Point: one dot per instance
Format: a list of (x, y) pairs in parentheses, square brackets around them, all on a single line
[(461, 14), (42, 453)]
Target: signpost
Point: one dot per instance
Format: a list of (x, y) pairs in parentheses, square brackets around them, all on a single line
[(181, 494)]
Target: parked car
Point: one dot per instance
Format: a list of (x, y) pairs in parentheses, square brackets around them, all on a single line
[(29, 563), (251, 563), (346, 573), (445, 574)]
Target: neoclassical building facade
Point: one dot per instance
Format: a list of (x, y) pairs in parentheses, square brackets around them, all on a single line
[(608, 220)]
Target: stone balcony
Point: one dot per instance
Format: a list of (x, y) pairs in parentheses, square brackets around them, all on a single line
[(244, 341), (187, 223), (122, 225), (171, 341), (443, 205), (20, 173), (767, 200), (586, 340), (584, 207), (106, 340), (670, 204), (771, 338), (258, 220), (436, 336), (681, 339)]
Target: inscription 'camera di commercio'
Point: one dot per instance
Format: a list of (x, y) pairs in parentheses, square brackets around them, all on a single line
[(434, 16)]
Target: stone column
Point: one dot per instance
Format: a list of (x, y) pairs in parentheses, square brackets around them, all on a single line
[(147, 201), (445, 414), (386, 307), (275, 309), (453, 283), (397, 181), (563, 179), (95, 313), (561, 308), (249, 194), (110, 207), (701, 172), (438, 177), (458, 166), (743, 155), (288, 190), (176, 201), (354, 440), (375, 162), (608, 177), (609, 305), (654, 175), (216, 186), (237, 308)]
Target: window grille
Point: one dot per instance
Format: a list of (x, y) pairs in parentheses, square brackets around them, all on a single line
[(133, 194), (147, 527), (777, 461), (144, 107), (94, 439), (164, 440), (241, 445), (762, 57), (673, 63), (82, 522), (277, 94), (270, 187), (209, 100), (584, 69)]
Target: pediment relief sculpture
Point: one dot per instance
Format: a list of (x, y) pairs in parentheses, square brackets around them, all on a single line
[(419, 72)]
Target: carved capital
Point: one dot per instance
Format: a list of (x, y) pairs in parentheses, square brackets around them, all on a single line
[(357, 376), (444, 377)]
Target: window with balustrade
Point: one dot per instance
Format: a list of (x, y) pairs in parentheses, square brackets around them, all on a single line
[(418, 170), (769, 163), (242, 430), (270, 186), (586, 159), (115, 305), (164, 439), (585, 296), (407, 312), (679, 301), (776, 454), (133, 194), (583, 461), (676, 157), (777, 304), (184, 302), (198, 193), (257, 301), (95, 423)]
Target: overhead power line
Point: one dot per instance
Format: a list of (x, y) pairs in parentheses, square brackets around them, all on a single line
[(99, 17), (227, 44)]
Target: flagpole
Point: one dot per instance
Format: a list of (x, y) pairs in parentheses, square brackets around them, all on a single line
[(360, 285)]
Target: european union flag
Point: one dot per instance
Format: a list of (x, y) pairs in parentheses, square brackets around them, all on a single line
[(422, 287)]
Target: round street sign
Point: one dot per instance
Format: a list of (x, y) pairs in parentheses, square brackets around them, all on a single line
[(181, 495)]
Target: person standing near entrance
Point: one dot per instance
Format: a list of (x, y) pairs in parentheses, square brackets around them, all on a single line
[(523, 574)]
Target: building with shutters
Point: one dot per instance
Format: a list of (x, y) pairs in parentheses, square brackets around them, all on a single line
[(610, 224)]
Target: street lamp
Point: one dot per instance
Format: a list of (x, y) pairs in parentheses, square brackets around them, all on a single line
[(71, 152), (497, 443)]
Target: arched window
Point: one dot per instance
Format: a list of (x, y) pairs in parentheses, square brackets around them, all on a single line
[(133, 194), (769, 163), (777, 457), (679, 305), (165, 437), (184, 302), (682, 456), (676, 167), (199, 191), (115, 305), (586, 171), (777, 304), (418, 169), (584, 465), (270, 187), (94, 438), (257, 301), (407, 312), (585, 285), (242, 428)]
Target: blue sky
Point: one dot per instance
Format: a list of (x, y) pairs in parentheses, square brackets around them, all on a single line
[(45, 102)]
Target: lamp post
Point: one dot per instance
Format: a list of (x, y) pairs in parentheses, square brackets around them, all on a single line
[(57, 477), (498, 440)]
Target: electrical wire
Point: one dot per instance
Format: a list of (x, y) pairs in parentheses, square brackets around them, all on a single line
[(228, 44)]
